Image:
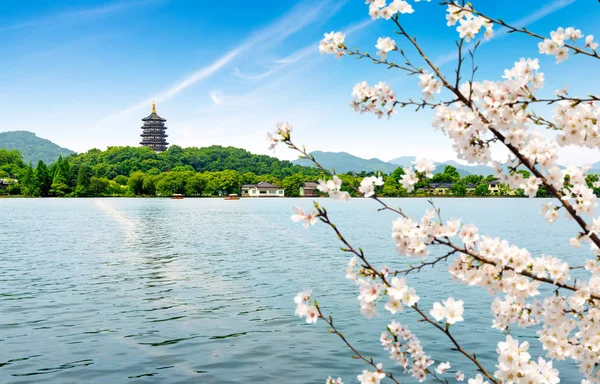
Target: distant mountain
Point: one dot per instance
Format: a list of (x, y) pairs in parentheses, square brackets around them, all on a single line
[(404, 161), (32, 148), (344, 162)]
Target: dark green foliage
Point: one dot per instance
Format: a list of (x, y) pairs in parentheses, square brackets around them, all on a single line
[(29, 184), (98, 185), (11, 163), (84, 173), (450, 175), (32, 148), (121, 180), (43, 178), (482, 190), (459, 189), (292, 184)]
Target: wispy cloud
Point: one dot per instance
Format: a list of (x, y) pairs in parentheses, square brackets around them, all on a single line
[(544, 11), (298, 18), (217, 97), (78, 15), (296, 56)]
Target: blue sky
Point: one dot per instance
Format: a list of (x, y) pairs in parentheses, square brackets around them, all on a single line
[(83, 73)]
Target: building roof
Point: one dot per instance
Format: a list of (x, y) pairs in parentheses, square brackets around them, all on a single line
[(310, 185), (153, 116), (262, 184)]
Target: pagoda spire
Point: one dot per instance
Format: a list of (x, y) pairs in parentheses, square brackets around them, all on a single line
[(153, 106)]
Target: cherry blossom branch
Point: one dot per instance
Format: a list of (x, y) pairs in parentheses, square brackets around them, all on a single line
[(310, 157), (322, 215), (575, 100), (512, 29), (362, 55), (425, 264), (522, 158), (357, 355), (524, 272)]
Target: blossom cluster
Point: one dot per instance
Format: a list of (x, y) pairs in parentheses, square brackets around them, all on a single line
[(283, 130), (379, 99), (515, 365), (307, 218), (385, 45), (452, 310), (333, 44), (556, 44), (496, 104), (305, 308), (368, 184), (429, 85), (406, 350), (379, 9), (469, 24), (369, 377), (334, 188), (331, 380), (423, 167), (578, 123)]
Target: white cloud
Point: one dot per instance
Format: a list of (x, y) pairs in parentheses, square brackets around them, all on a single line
[(295, 20), (296, 56), (217, 97)]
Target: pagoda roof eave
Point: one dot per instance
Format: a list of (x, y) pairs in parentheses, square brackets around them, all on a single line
[(153, 116)]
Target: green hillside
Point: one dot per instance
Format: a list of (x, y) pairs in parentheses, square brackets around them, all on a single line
[(31, 147)]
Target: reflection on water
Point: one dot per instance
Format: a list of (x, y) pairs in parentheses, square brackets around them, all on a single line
[(200, 290)]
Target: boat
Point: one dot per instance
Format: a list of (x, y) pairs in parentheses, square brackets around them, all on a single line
[(177, 196), (233, 196)]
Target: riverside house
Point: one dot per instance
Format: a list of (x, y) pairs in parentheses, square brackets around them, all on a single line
[(309, 189), (437, 188), (262, 189), (4, 183)]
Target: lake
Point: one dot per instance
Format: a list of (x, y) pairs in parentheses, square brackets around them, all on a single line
[(201, 290)]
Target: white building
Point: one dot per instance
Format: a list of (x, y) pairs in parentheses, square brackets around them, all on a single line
[(262, 189)]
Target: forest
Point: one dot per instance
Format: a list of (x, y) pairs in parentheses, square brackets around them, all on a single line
[(210, 171)]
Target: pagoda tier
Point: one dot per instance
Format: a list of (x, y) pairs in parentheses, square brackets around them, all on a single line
[(153, 134)]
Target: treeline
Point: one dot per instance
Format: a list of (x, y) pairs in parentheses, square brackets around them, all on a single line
[(131, 171)]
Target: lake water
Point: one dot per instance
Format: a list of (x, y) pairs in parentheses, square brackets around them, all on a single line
[(201, 290)]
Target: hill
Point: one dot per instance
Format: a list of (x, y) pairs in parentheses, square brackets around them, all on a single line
[(124, 161), (32, 148), (344, 162)]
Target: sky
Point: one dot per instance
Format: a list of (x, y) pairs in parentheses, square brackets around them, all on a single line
[(83, 73)]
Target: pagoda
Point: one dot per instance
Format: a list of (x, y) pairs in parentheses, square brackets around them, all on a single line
[(154, 135)]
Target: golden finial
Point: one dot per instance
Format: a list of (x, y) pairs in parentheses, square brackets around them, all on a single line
[(153, 106)]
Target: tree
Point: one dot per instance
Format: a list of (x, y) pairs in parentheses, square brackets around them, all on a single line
[(482, 190), (121, 180), (449, 175), (98, 185), (292, 184), (83, 180), (195, 185), (43, 178), (30, 185), (136, 182), (472, 179), (59, 183), (459, 189)]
